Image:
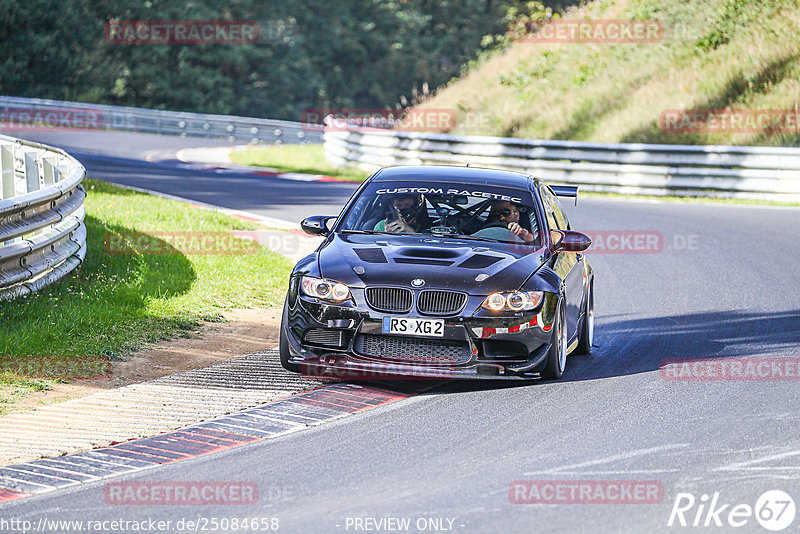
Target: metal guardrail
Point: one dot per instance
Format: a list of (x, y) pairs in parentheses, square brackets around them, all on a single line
[(770, 173), (101, 117), (42, 233)]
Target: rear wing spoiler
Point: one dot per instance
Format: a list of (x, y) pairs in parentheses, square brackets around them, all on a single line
[(566, 191)]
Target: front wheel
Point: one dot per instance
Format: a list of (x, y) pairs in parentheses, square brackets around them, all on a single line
[(283, 348), (587, 329), (557, 355)]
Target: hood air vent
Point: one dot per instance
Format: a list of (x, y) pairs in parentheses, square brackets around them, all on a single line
[(371, 255), (424, 261), (479, 261)]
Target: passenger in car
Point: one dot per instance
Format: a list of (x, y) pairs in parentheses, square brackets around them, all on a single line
[(504, 212), (407, 215)]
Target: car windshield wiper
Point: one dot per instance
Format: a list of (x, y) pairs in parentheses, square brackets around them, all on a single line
[(464, 236), (477, 238), (367, 232), (443, 234)]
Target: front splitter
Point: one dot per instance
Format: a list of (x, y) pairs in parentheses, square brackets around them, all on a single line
[(346, 368)]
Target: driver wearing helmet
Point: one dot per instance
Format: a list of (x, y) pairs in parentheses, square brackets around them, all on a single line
[(507, 213), (407, 214)]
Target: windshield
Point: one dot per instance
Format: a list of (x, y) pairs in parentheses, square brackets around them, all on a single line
[(447, 209)]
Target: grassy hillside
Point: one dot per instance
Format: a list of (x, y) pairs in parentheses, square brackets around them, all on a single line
[(715, 54)]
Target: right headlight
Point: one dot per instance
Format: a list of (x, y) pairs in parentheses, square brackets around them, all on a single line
[(324, 289), (513, 301)]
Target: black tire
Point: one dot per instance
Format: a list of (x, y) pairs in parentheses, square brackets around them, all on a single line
[(557, 355), (284, 352), (587, 328)]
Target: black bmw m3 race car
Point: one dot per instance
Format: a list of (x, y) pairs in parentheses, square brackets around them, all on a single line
[(441, 272)]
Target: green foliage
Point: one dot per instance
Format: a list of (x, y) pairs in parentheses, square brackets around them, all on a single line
[(344, 54), (619, 92), (42, 47), (737, 14), (521, 19), (525, 78)]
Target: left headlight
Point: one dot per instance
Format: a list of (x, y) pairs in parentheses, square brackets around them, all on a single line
[(324, 289), (513, 301)]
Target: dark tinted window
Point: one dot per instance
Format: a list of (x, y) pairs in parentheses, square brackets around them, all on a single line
[(443, 208), (556, 216)]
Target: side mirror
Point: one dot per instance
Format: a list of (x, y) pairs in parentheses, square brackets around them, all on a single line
[(570, 241), (316, 224)]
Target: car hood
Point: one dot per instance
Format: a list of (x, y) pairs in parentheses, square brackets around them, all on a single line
[(446, 263)]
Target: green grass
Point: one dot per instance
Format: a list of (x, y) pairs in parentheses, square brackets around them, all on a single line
[(715, 54), (116, 303), (306, 159)]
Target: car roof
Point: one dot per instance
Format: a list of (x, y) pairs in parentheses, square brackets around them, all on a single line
[(467, 175)]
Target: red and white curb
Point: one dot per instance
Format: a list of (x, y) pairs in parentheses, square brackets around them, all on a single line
[(269, 420)]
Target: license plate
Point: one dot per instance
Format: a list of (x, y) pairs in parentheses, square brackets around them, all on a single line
[(413, 327)]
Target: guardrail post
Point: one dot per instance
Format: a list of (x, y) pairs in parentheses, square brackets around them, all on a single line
[(31, 171), (7, 189), (63, 170), (49, 170)]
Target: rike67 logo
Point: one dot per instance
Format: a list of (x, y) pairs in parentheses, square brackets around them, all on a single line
[(774, 510)]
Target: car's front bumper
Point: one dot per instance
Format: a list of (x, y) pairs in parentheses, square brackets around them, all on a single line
[(484, 339)]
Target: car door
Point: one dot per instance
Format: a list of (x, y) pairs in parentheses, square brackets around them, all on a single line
[(568, 265)]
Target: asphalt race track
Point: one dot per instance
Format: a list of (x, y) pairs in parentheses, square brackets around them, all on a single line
[(119, 157), (721, 284)]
